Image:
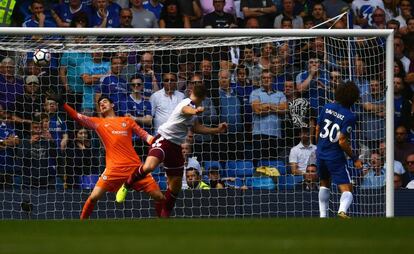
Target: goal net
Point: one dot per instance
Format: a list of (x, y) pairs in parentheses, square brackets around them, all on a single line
[(269, 89)]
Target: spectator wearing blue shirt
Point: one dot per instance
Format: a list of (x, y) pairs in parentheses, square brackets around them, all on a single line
[(38, 156), (57, 126), (243, 88), (373, 126), (145, 68), (10, 85), (70, 63), (63, 13), (139, 109), (268, 106), (154, 6), (105, 15), (279, 73), (231, 143), (113, 85), (8, 140), (38, 19), (91, 73), (402, 104), (313, 84)]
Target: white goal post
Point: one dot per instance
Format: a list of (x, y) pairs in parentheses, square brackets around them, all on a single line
[(12, 32)]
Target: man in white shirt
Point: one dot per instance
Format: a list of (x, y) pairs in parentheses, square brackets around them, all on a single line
[(165, 100), (300, 154)]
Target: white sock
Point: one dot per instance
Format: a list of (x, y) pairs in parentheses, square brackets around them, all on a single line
[(345, 202), (323, 201)]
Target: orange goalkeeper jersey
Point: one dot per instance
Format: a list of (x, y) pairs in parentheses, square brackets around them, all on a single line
[(116, 135)]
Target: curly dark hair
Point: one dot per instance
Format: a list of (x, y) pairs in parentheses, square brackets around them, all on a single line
[(347, 94)]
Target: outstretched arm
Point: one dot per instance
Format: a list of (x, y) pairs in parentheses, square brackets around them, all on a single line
[(142, 133), (82, 119), (201, 129)]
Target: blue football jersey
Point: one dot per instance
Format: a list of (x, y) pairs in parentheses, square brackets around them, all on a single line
[(333, 119)]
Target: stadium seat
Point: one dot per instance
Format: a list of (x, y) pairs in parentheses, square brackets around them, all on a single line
[(157, 171), (161, 180), (288, 182), (89, 181), (280, 165), (260, 183), (240, 168), (209, 164)]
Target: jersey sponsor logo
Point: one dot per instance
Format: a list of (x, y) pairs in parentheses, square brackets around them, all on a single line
[(334, 113), (122, 133)]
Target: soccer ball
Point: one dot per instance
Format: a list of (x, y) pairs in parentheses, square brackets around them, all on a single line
[(42, 57)]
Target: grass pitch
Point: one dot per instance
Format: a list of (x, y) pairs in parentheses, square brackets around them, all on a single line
[(196, 236)]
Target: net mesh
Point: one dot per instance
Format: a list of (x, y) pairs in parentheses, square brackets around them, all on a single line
[(49, 164)]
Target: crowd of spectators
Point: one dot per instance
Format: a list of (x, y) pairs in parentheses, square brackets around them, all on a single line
[(269, 93)]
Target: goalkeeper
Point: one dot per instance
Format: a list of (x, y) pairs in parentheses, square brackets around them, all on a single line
[(121, 158)]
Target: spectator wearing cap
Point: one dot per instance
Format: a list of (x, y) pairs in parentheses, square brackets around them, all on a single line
[(10, 85), (28, 105), (142, 18), (191, 162)]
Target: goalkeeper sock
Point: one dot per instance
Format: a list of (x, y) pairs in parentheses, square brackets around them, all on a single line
[(169, 203), (138, 174), (323, 202), (345, 202), (87, 209)]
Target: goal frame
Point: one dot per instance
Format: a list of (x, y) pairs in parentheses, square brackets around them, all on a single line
[(385, 33)]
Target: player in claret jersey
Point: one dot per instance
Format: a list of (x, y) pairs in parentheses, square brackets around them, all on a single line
[(121, 158), (334, 127), (167, 147)]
